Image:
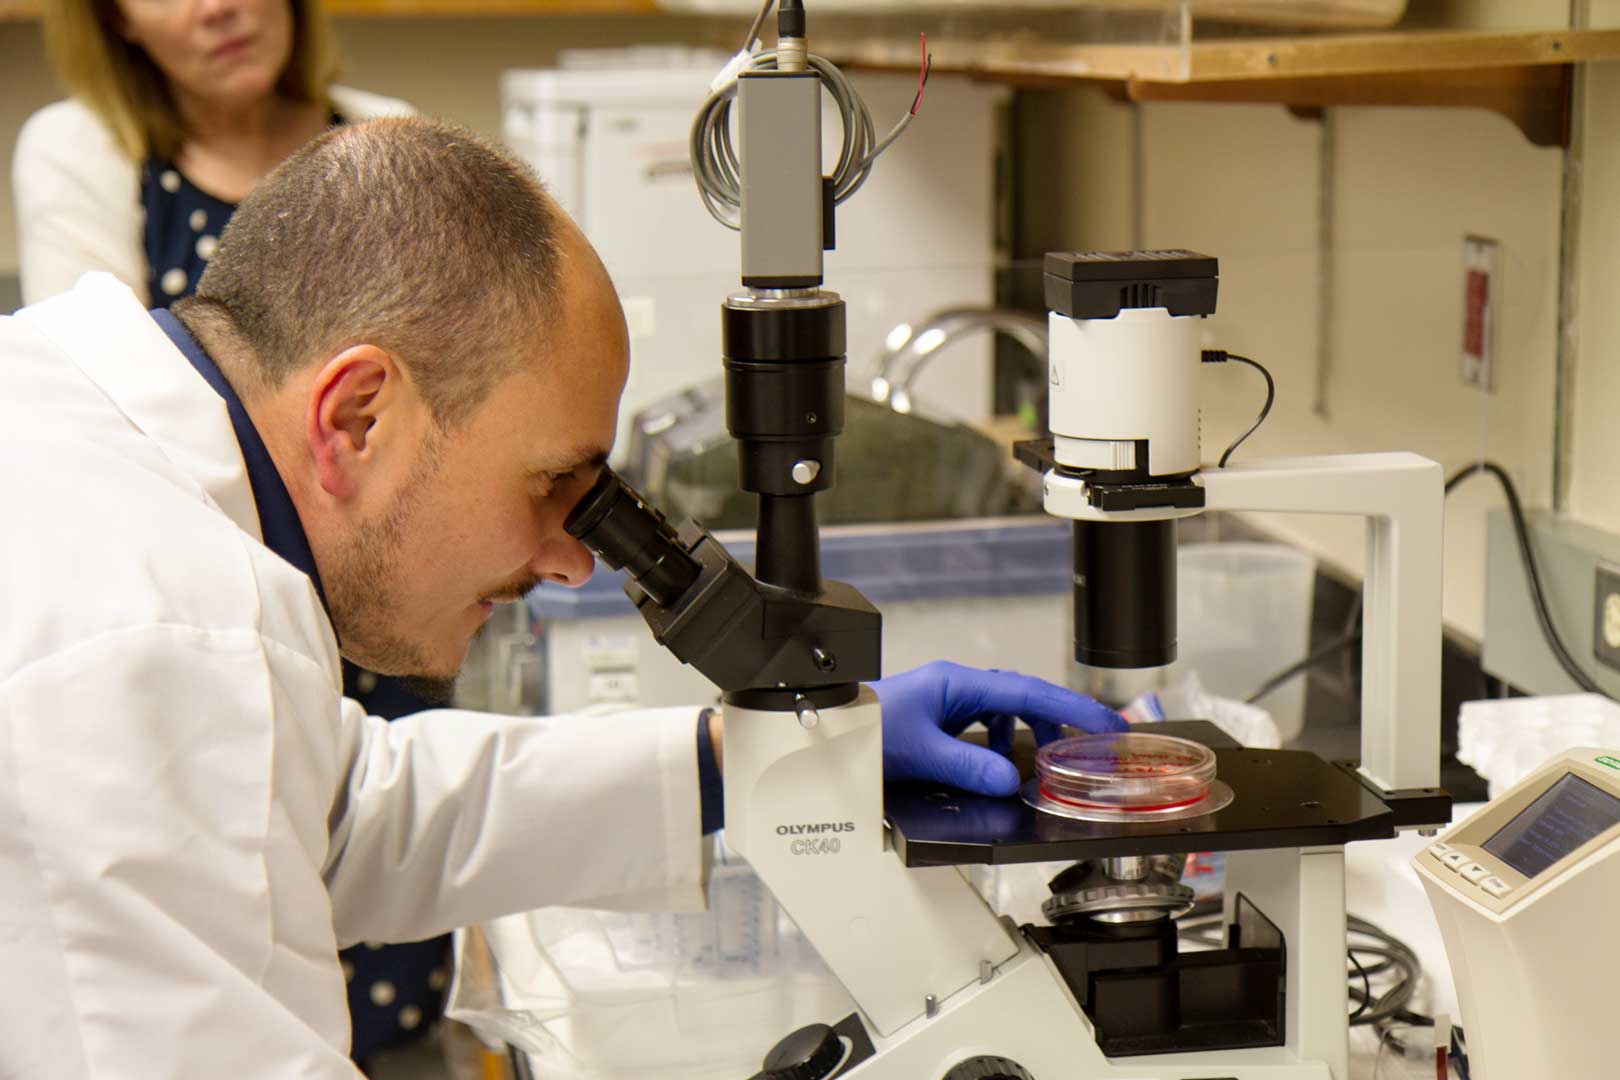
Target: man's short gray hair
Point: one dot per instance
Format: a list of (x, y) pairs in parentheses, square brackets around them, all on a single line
[(413, 235)]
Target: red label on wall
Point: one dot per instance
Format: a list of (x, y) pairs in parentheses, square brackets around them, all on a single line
[(1477, 297)]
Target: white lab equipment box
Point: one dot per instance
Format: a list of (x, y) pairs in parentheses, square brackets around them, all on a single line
[(1523, 892), (611, 143)]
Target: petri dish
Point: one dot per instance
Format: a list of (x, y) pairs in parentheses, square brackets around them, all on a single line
[(1125, 773)]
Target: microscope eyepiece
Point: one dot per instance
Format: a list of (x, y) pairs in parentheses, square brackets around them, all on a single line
[(627, 534)]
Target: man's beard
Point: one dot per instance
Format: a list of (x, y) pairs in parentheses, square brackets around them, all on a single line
[(360, 591), (432, 690)]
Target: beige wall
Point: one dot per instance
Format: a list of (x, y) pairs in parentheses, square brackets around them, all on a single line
[(26, 83), (1243, 183), (1595, 479), (446, 67), (451, 67)]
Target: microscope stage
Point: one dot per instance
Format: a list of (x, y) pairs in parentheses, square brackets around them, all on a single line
[(1283, 798)]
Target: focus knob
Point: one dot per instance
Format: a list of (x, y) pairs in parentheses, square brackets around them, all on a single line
[(987, 1068), (811, 1053)]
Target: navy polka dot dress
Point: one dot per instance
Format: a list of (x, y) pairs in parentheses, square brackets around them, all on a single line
[(396, 991), (183, 224)]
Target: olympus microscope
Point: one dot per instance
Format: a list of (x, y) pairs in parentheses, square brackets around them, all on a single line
[(946, 989)]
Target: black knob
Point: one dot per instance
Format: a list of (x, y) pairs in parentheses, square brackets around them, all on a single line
[(811, 1053), (987, 1068)]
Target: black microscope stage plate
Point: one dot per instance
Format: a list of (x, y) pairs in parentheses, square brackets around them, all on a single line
[(1282, 798)]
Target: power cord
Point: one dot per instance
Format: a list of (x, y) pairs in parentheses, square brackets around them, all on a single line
[(1220, 356), (1366, 987), (1521, 533), (1315, 659), (1389, 955)]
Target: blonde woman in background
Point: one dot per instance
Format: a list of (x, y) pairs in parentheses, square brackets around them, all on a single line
[(178, 109)]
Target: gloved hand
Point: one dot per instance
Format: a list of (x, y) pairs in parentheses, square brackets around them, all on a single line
[(926, 708)]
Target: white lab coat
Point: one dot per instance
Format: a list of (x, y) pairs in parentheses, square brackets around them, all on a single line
[(192, 819)]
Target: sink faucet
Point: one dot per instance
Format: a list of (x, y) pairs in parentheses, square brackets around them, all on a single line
[(908, 349)]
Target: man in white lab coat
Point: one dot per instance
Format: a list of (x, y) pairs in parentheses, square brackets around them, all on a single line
[(400, 372)]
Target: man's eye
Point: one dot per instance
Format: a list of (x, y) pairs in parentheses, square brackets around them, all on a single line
[(548, 484)]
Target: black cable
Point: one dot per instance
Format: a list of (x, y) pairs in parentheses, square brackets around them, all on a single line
[(1287, 674), (1220, 356), (1391, 1004), (1350, 636), (1459, 1052), (1521, 532), (1366, 988), (1378, 967), (790, 19)]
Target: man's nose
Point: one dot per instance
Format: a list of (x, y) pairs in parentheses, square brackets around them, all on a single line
[(564, 560)]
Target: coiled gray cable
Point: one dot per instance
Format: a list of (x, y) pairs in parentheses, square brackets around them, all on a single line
[(714, 157)]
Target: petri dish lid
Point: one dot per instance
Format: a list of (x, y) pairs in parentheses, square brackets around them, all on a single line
[(1129, 771)]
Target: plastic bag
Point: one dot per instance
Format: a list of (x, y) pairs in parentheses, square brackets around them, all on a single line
[(1186, 699)]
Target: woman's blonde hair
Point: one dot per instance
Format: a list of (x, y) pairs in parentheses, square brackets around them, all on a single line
[(122, 85)]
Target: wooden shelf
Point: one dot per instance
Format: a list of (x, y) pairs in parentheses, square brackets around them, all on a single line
[(1525, 76), (1249, 58)]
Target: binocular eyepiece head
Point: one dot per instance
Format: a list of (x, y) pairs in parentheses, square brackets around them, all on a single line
[(616, 523)]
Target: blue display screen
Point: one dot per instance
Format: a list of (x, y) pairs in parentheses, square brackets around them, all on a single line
[(1567, 815)]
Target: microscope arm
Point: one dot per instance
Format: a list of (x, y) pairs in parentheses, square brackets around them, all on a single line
[(803, 758), (1400, 495)]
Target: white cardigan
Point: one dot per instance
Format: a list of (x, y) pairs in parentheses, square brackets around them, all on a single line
[(79, 196)]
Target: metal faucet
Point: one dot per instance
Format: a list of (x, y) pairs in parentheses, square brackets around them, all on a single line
[(907, 350)]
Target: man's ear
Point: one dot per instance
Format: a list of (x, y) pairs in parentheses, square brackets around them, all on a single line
[(346, 401)]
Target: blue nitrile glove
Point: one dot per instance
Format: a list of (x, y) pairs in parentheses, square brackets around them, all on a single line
[(926, 708)]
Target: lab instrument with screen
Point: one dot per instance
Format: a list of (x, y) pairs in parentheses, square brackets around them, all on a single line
[(1570, 813), (1523, 891)]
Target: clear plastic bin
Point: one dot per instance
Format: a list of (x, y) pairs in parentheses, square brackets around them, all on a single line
[(600, 995), (1244, 614)]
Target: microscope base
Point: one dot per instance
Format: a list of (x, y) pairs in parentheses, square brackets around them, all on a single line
[(1025, 1015)]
